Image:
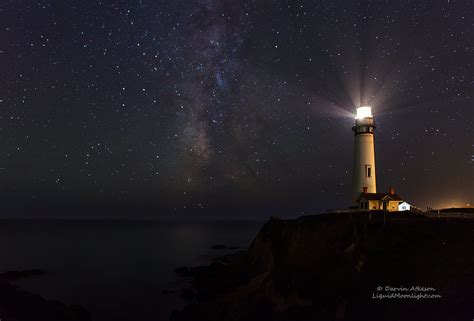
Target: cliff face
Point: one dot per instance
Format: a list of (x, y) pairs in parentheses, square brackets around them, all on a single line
[(330, 267)]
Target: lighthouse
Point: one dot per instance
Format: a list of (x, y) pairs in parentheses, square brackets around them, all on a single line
[(363, 179)]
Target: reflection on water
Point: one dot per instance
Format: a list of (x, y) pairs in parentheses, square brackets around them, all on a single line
[(116, 270)]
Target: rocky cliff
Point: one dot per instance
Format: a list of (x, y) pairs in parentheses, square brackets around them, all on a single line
[(346, 266), (18, 305)]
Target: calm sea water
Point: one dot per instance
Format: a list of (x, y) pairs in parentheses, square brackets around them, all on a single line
[(117, 270)]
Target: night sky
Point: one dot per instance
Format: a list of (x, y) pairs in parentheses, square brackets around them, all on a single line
[(230, 108)]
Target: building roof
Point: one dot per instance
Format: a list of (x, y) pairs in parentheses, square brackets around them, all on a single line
[(380, 196)]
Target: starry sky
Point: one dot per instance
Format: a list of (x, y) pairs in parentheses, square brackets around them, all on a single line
[(152, 108)]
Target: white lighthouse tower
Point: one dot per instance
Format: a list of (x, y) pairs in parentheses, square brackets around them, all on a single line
[(363, 179)]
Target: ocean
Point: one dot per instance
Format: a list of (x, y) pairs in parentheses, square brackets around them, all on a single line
[(117, 270)]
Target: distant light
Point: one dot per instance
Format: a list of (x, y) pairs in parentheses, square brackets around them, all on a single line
[(364, 112)]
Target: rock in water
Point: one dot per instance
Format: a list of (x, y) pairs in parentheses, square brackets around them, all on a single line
[(15, 275)]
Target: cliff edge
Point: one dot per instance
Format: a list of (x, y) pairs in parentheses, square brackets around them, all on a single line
[(346, 266)]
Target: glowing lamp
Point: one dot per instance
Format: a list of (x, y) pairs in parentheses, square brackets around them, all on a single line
[(364, 112)]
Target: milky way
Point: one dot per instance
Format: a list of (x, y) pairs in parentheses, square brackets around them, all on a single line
[(209, 106)]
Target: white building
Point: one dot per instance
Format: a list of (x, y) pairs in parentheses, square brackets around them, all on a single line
[(404, 206)]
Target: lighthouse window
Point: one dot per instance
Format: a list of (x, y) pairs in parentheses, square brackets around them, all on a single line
[(368, 171)]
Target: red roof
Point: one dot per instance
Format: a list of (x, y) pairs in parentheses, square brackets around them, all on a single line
[(380, 196)]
